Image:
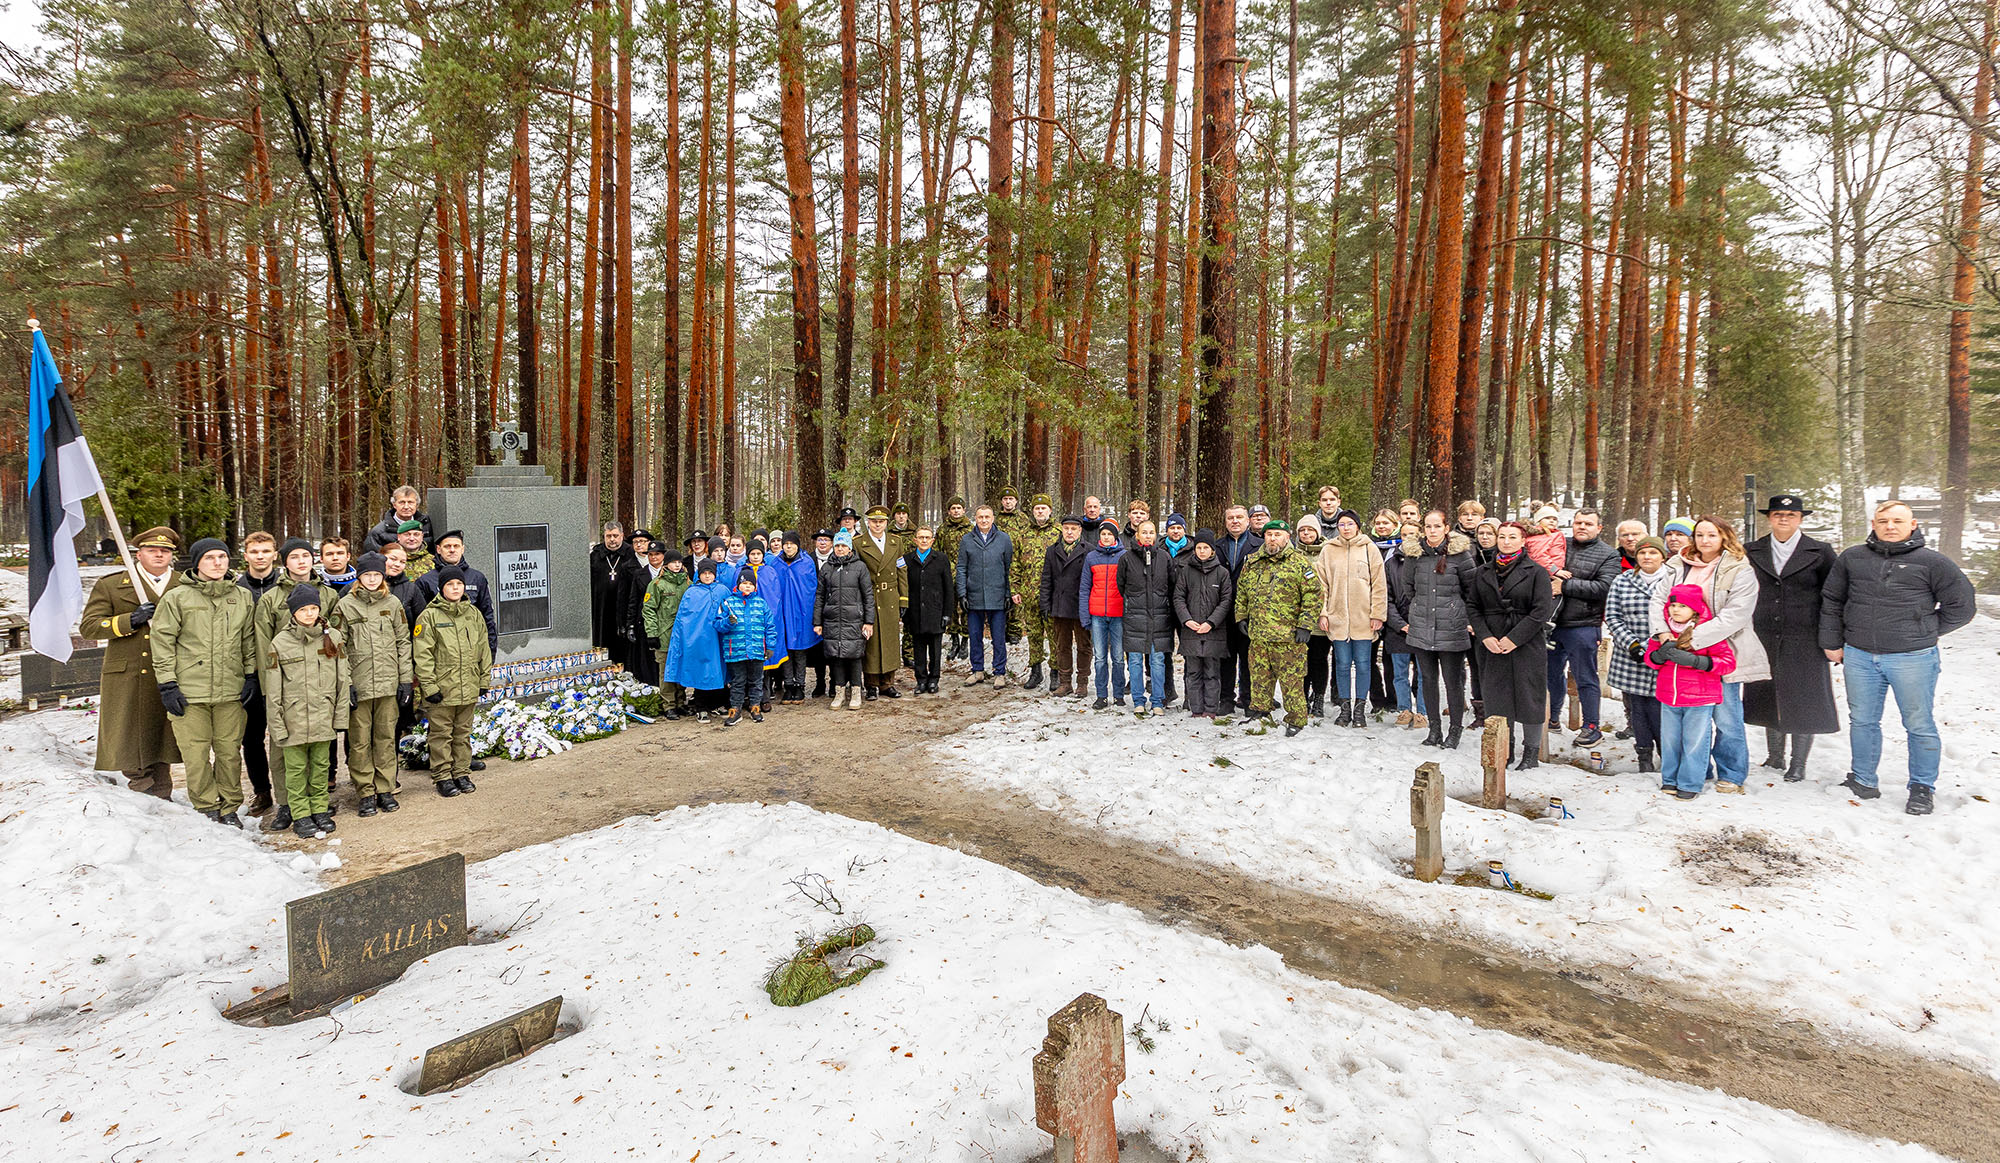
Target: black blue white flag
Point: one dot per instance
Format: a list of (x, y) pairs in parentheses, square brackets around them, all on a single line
[(60, 475)]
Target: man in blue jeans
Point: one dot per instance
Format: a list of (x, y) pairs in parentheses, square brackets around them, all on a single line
[(1581, 585), (1886, 604)]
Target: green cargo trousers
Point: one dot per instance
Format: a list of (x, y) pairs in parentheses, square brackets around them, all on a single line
[(211, 742), (450, 739), (371, 745), (305, 778)]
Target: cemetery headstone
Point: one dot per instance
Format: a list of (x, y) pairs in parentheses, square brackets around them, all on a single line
[(457, 1061), (353, 938), (532, 539), (1077, 1072), (44, 680), (1494, 746), (1427, 816)]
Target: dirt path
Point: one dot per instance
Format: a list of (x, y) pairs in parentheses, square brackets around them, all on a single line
[(798, 754)]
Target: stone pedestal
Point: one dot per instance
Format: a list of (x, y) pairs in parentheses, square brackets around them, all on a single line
[(532, 538), (1427, 816)]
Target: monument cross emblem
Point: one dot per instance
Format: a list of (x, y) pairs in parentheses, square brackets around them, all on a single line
[(509, 441), (1077, 1073)]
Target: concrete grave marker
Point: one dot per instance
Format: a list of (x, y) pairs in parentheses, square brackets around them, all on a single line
[(1077, 1073), (353, 938), (1427, 815), (1493, 748), (457, 1061)]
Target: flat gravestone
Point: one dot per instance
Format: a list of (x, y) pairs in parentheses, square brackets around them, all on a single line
[(1427, 816), (44, 680), (353, 938), (458, 1061), (1077, 1073)]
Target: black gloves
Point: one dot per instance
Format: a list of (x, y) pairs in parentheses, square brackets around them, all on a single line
[(171, 697), (434, 697), (142, 615), (1636, 651), (403, 691), (482, 691), (353, 699), (1302, 636), (652, 643), (250, 690)]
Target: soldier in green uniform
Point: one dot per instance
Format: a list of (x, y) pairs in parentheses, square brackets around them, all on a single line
[(205, 656), (657, 611), (410, 535), (954, 526), (271, 616), (1278, 601), (453, 663), (882, 552), (380, 680), (132, 732), (1032, 539), (1009, 518)]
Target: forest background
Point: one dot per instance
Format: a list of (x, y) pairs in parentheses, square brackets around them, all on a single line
[(760, 259)]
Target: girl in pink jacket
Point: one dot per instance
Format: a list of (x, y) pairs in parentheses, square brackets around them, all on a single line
[(1689, 687)]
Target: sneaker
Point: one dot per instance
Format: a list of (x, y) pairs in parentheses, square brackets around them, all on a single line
[(756, 716), (1590, 736), (732, 718), (701, 716), (1860, 791), (1724, 787), (1920, 800)]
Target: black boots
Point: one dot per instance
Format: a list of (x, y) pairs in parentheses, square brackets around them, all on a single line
[(279, 820), (1457, 733), (1316, 704), (1774, 746), (368, 806), (1647, 766), (446, 787), (1360, 713), (1801, 747), (1436, 736), (1034, 677), (1346, 716), (387, 802)]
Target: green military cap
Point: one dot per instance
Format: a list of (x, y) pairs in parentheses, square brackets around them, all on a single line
[(1042, 499), (158, 537), (877, 513), (409, 527), (901, 507), (1277, 523), (955, 500), (1009, 492)]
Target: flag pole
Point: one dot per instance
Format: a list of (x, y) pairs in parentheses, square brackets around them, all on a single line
[(139, 590)]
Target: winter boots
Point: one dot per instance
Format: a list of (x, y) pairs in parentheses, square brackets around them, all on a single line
[(1796, 773), (1774, 749), (1920, 800), (1360, 713), (1034, 677), (1451, 739), (1346, 716), (1436, 736), (1059, 686), (854, 696), (839, 695)]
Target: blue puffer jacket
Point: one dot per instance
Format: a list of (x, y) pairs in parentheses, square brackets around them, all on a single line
[(694, 653), (748, 630)]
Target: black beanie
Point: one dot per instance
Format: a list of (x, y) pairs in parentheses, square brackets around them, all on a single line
[(449, 573), (371, 563), (291, 543), (204, 547), (304, 594)]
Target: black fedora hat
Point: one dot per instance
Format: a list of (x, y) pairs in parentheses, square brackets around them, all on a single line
[(1787, 503)]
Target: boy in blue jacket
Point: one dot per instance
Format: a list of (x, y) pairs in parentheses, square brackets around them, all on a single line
[(749, 633)]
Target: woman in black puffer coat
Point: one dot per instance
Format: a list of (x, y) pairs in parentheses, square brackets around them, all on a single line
[(1146, 582), (1204, 595), (1510, 604), (843, 616), (1428, 580)]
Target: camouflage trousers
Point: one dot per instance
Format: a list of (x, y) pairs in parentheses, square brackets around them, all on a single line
[(1282, 665), (1028, 617)]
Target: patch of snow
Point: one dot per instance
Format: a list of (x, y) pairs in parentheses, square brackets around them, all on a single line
[(1850, 914), (657, 932)]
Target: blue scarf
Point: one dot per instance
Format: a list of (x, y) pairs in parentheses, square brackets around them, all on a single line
[(923, 555), (1176, 547)]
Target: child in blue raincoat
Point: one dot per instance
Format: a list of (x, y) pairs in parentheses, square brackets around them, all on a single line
[(694, 652), (801, 594), (749, 633)]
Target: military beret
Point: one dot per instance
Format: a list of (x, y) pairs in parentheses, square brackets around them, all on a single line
[(1277, 523), (448, 534), (411, 526), (158, 537)]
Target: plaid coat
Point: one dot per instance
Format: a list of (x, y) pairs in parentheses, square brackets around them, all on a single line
[(1627, 609)]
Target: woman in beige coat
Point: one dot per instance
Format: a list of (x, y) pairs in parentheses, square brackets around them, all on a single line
[(1354, 599)]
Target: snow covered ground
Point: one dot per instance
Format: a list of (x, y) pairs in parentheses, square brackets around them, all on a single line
[(1794, 897), (131, 923)]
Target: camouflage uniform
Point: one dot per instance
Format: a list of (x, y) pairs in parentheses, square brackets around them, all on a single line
[(1031, 546), (949, 532), (1278, 594), (1013, 525)]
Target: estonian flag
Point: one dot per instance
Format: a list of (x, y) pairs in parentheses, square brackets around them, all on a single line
[(60, 475)]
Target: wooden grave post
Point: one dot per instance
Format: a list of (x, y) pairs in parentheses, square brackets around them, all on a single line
[(1427, 815), (1077, 1073), (1493, 748)]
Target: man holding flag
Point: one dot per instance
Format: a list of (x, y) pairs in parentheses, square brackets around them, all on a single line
[(132, 736)]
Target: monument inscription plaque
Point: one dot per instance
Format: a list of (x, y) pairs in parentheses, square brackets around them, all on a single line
[(455, 1062), (353, 938), (521, 590)]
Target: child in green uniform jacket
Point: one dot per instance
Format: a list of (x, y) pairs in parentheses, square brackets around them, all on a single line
[(662, 602), (452, 662), (305, 693), (380, 672)]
